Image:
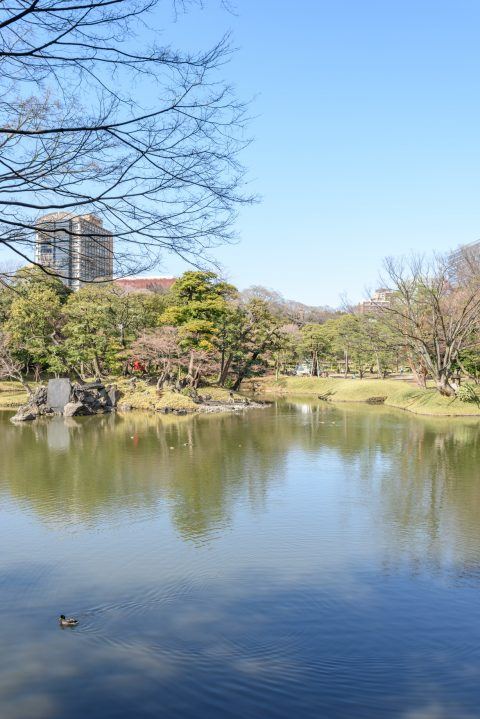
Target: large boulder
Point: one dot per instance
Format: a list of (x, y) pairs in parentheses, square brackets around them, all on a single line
[(26, 413), (77, 409), (40, 398), (35, 407), (113, 395), (71, 400), (96, 396)]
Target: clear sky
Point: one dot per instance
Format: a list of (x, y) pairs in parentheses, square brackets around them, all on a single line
[(367, 136)]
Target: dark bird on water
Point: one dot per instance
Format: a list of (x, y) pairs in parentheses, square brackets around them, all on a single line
[(67, 621)]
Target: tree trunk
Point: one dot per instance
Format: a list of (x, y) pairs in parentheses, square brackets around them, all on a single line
[(444, 386), (122, 336), (242, 373), (96, 367), (191, 364), (225, 370), (222, 366), (474, 377), (419, 374), (25, 384), (78, 374), (37, 373)]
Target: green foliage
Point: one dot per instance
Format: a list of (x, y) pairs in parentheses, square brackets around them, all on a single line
[(469, 362), (200, 287), (7, 296), (354, 341), (316, 344), (93, 327), (259, 334), (215, 332), (33, 324), (198, 306), (28, 277), (468, 393), (349, 341)]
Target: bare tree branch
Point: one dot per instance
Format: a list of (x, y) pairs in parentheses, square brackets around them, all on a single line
[(434, 311), (159, 167)]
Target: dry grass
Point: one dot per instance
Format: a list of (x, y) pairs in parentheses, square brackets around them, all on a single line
[(12, 395), (145, 396), (219, 394), (397, 394)]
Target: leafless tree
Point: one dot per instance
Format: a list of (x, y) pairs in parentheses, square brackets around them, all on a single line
[(160, 349), (289, 310), (97, 118), (201, 364), (434, 311)]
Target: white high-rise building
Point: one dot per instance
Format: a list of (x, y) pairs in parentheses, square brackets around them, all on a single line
[(77, 247)]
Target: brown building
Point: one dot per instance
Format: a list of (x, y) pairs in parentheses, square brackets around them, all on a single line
[(380, 299)]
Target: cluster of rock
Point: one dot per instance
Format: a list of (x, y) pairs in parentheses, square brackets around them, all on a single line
[(213, 407), (376, 400), (234, 404), (61, 396)]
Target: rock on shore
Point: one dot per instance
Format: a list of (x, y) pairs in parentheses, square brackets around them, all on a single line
[(211, 407), (61, 396)]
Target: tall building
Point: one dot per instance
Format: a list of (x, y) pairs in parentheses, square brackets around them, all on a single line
[(464, 261), (77, 247)]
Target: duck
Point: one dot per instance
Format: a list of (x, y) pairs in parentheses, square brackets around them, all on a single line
[(67, 621)]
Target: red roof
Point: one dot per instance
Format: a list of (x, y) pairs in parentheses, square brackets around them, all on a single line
[(146, 284)]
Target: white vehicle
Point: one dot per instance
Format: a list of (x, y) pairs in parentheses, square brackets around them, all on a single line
[(302, 370)]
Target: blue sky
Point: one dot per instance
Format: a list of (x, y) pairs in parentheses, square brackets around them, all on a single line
[(367, 136)]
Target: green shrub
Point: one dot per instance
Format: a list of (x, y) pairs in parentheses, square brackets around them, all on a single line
[(467, 393)]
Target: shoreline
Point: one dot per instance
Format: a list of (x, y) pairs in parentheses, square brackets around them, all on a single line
[(142, 396), (397, 394)]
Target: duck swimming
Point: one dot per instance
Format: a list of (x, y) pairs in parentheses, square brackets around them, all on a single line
[(67, 621)]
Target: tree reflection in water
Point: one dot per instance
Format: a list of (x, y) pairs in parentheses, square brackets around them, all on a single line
[(419, 474), (288, 562)]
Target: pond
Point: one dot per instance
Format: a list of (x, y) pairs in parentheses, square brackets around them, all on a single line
[(304, 560)]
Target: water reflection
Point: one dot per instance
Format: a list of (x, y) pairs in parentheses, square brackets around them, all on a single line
[(306, 560), (420, 475), (88, 468)]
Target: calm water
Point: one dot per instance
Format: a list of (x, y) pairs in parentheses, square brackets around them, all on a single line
[(301, 561)]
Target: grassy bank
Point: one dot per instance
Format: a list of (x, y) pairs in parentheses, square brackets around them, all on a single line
[(402, 395), (12, 395), (399, 394), (145, 396)]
